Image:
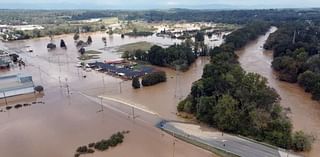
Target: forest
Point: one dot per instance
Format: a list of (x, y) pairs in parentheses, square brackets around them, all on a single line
[(219, 16), (175, 56), (296, 54), (232, 100)]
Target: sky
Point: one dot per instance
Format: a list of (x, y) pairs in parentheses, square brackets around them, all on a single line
[(157, 4)]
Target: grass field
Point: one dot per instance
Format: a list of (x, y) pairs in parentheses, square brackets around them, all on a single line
[(93, 52), (145, 46)]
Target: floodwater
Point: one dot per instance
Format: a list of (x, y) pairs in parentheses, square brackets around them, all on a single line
[(66, 121), (304, 112)]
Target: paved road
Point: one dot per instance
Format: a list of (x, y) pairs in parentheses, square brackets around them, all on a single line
[(233, 144), (229, 143)]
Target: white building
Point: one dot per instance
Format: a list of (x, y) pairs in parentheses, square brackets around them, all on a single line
[(17, 84)]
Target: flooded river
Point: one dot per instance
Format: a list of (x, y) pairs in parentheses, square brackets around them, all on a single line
[(305, 113), (65, 122)]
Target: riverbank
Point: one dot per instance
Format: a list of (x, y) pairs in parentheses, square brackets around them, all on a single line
[(304, 112)]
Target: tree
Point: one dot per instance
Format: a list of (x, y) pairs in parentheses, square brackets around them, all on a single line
[(89, 40), (104, 40), (51, 46), (63, 44), (135, 83), (154, 78), (110, 31), (227, 117), (82, 50), (135, 30), (81, 43), (38, 89), (76, 36)]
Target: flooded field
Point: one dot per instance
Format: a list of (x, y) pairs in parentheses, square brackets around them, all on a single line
[(304, 112), (65, 121)]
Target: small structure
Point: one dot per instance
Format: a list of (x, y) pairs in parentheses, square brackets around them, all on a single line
[(17, 84), (5, 59)]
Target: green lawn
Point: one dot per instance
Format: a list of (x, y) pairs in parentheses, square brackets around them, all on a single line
[(145, 46)]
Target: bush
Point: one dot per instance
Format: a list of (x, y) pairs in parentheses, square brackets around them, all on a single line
[(51, 46), (39, 89), (301, 141), (90, 145), (82, 149), (154, 78), (136, 83), (90, 151), (81, 44)]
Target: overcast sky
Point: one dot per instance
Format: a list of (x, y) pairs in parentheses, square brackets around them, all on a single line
[(160, 4)]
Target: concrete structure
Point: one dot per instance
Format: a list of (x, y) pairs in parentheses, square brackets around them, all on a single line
[(12, 85), (5, 59)]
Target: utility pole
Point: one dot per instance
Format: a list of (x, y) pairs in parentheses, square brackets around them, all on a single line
[(173, 144), (104, 85), (5, 98), (120, 86), (101, 105), (40, 74), (67, 85), (60, 82), (133, 117)]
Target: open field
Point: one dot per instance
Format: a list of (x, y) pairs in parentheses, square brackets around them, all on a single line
[(143, 45)]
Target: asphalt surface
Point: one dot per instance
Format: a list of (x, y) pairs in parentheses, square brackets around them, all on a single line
[(229, 143)]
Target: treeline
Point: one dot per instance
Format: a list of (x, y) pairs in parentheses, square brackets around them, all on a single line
[(154, 78), (296, 54), (179, 56), (221, 16), (228, 98)]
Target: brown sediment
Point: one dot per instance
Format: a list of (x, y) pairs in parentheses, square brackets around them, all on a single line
[(304, 112)]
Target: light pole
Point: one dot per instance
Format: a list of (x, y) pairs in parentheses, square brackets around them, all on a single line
[(68, 91), (120, 86), (5, 98)]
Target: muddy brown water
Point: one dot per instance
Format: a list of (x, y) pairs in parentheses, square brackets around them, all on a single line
[(305, 113), (63, 123)]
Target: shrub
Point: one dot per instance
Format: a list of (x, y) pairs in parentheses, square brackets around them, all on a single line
[(51, 46), (90, 145), (90, 151), (18, 106), (301, 141), (8, 107), (82, 149), (38, 88), (135, 83), (154, 78)]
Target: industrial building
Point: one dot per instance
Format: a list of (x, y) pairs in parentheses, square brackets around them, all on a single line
[(17, 84)]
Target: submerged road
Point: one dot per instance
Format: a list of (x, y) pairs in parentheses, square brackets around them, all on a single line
[(226, 142)]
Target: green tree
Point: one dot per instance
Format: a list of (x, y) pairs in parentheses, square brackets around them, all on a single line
[(301, 141), (76, 36), (227, 117), (104, 40), (63, 44), (89, 40)]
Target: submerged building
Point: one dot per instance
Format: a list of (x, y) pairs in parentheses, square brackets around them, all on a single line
[(17, 84), (5, 59)]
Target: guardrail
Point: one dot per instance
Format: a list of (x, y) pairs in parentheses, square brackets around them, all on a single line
[(193, 141)]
